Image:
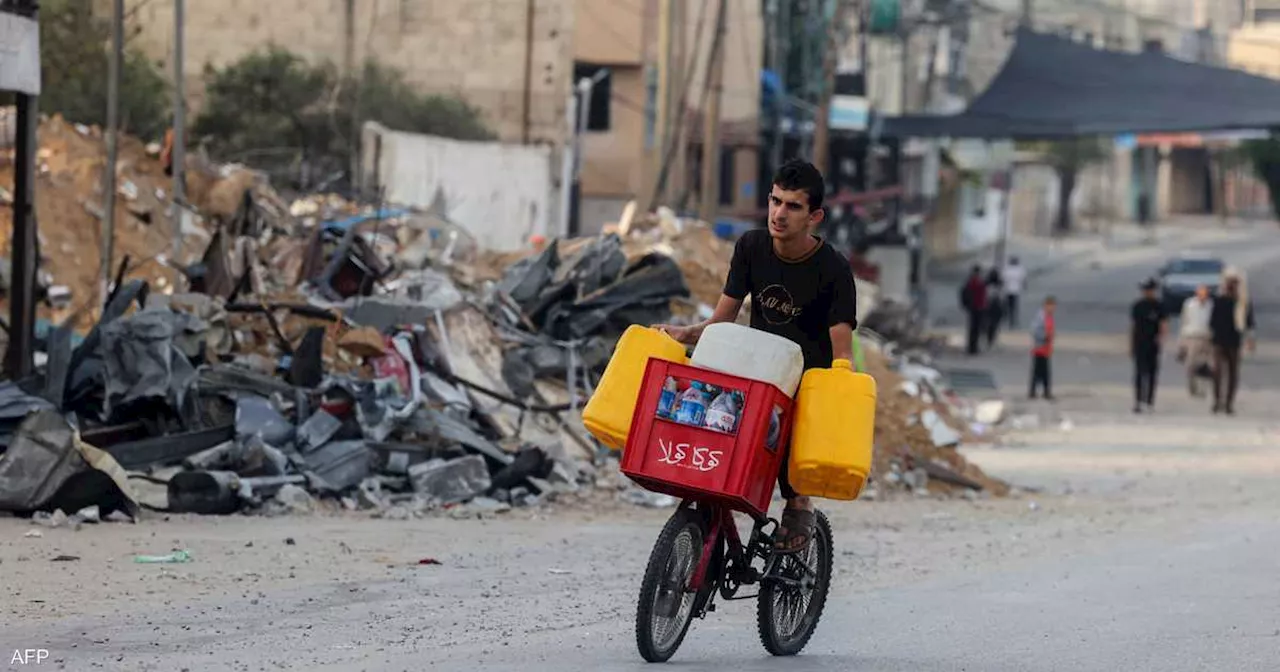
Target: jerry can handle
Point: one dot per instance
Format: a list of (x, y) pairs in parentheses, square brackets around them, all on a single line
[(842, 364)]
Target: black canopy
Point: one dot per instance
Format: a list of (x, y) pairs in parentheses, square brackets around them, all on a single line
[(1052, 87)]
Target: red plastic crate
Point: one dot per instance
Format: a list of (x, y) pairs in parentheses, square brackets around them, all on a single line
[(737, 470)]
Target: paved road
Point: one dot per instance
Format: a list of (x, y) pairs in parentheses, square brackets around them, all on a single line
[(1151, 545), (1095, 290)]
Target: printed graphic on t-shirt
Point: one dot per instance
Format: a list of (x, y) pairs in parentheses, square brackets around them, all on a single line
[(777, 306)]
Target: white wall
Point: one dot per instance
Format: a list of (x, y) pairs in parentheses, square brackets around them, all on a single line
[(501, 194), (979, 218)]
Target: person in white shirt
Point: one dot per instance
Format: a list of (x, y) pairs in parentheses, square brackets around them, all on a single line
[(1015, 280), (1195, 347)]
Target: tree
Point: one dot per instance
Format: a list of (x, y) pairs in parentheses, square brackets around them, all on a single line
[(74, 48), (1068, 158), (1264, 155), (274, 109)]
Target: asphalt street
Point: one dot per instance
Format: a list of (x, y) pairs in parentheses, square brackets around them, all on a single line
[(1094, 291), (1140, 543)]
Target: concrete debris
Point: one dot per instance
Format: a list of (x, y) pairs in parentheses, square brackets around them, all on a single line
[(647, 499), (293, 355), (451, 481), (296, 499), (990, 412)]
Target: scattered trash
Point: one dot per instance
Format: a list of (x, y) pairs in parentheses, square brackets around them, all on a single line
[(288, 541), (33, 534), (989, 412), (559, 572), (429, 561), (176, 557), (65, 558)]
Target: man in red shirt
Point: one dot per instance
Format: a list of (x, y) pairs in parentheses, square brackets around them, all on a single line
[(1042, 333)]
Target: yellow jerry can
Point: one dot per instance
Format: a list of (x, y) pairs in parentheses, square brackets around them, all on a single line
[(608, 413), (833, 432)]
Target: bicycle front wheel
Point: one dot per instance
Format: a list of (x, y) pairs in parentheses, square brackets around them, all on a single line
[(793, 596), (666, 604)]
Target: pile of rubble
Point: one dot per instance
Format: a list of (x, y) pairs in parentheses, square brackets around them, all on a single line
[(920, 424), (324, 354)]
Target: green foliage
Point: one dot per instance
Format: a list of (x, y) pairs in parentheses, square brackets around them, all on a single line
[(74, 48), (273, 107), (1075, 153), (1265, 157)]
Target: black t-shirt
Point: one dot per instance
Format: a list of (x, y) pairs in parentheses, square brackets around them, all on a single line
[(799, 300), (1147, 314)]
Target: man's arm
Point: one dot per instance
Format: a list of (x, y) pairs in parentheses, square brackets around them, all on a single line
[(842, 341), (844, 314), (727, 310)]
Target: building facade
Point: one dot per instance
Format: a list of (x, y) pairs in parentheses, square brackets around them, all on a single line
[(515, 60)]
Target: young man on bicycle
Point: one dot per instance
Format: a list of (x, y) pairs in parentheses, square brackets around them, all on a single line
[(801, 289)]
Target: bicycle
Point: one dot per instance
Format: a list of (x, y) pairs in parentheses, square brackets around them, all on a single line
[(700, 554)]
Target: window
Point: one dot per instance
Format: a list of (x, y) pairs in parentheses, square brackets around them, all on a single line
[(598, 117), (1195, 266)]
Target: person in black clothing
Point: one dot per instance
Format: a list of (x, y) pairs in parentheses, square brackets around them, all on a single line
[(995, 306), (1149, 323), (1231, 325), (801, 289), (973, 298)]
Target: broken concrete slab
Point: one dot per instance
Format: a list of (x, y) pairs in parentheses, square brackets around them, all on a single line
[(340, 465), (433, 423), (452, 481)]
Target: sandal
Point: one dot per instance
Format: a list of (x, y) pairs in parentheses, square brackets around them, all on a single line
[(794, 531)]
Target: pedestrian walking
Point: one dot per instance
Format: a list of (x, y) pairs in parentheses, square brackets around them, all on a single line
[(995, 306), (1042, 333), (973, 298), (1231, 324), (1195, 347), (1015, 281), (1147, 331)]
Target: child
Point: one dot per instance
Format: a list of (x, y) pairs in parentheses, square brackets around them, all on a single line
[(1042, 332)]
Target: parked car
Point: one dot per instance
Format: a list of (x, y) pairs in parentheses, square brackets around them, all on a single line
[(1180, 276)]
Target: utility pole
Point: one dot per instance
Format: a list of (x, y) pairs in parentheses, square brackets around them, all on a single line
[(578, 116), (527, 105), (179, 126), (113, 149), (779, 17), (353, 80), (662, 121), (710, 190), (822, 122), (22, 306)]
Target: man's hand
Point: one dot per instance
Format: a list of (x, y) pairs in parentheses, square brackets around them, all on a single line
[(687, 335), (1251, 346)]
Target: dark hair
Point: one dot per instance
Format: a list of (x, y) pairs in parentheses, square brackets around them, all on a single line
[(800, 175), (1050, 299)]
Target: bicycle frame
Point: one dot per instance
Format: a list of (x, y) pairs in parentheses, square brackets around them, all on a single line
[(738, 556)]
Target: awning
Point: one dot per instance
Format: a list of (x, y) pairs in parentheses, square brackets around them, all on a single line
[(1052, 87)]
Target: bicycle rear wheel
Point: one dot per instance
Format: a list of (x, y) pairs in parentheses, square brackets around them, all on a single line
[(666, 606), (793, 596)]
